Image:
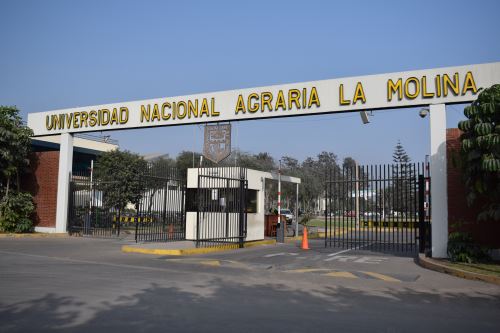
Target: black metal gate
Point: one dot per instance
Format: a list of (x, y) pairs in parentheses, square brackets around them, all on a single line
[(220, 203), (158, 214), (378, 207)]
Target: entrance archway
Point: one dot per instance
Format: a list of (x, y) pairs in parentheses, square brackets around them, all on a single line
[(433, 88)]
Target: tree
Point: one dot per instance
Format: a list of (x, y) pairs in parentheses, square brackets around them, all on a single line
[(480, 143), (404, 182), (400, 155), (120, 177), (157, 171), (188, 159), (15, 145), (313, 173)]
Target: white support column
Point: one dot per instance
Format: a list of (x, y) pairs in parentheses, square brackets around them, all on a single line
[(439, 191), (296, 210), (65, 168)]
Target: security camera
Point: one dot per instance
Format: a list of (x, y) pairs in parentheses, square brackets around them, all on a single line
[(423, 113)]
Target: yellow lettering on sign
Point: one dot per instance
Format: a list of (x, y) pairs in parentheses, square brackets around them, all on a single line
[(204, 108), (425, 94), (342, 100), (359, 94), (83, 119), (145, 113), (293, 98), (438, 85), (266, 98), (181, 115), (114, 116), (69, 118), (240, 105), (213, 113), (75, 120), (156, 113), (453, 85), (123, 115), (164, 114), (469, 84), (313, 98), (59, 121), (255, 106), (104, 116), (393, 88), (48, 123), (280, 101), (93, 118), (193, 108), (416, 85)]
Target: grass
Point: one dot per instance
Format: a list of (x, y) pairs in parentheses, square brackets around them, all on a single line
[(488, 269), (335, 221)]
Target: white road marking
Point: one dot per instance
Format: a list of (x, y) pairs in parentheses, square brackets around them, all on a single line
[(334, 254), (344, 251), (274, 255), (280, 254), (341, 258), (370, 260)]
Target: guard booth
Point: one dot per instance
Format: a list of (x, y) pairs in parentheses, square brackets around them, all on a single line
[(226, 204)]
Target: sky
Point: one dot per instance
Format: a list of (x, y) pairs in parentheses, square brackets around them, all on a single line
[(62, 54)]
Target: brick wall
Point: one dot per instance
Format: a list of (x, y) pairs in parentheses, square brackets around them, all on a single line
[(485, 232), (41, 182)]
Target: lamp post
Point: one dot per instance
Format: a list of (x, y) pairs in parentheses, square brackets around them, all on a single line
[(280, 234)]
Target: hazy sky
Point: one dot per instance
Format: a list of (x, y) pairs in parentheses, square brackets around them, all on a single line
[(60, 54)]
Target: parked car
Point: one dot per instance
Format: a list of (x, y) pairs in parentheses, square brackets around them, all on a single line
[(288, 215), (350, 213), (371, 214)]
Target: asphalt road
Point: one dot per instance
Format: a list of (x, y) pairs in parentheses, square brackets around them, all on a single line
[(89, 285)]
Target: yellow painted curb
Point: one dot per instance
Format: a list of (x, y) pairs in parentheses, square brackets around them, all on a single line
[(381, 276), (348, 275), (35, 235), (187, 252), (442, 268), (308, 270)]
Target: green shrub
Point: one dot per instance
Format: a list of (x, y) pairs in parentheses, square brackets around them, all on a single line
[(461, 248), (306, 217), (15, 211)]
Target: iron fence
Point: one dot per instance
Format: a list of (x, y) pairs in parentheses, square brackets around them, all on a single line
[(97, 208), (377, 207)]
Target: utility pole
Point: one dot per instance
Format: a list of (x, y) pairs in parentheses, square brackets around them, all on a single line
[(281, 227), (296, 210)]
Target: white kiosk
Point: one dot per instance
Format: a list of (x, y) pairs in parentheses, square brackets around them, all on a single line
[(256, 181)]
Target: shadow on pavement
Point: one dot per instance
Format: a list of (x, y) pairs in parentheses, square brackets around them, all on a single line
[(228, 307)]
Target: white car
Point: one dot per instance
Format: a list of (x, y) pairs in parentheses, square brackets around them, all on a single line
[(288, 215)]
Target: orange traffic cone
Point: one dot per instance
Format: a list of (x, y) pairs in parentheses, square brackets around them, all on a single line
[(305, 243)]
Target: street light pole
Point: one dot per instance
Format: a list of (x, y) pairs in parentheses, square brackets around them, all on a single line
[(281, 230)]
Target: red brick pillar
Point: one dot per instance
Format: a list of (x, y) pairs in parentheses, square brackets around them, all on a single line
[(41, 182), (459, 212)]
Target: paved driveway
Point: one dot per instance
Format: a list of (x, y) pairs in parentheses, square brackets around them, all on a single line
[(84, 285)]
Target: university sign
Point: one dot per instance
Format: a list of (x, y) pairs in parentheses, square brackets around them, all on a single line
[(404, 89)]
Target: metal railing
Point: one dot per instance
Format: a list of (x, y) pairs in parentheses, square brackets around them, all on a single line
[(376, 207)]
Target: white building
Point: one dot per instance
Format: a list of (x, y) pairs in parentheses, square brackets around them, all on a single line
[(255, 209)]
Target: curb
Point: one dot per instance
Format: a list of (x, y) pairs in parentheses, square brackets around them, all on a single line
[(438, 267), (35, 235), (187, 252)]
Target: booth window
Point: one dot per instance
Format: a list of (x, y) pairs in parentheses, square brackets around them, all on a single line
[(219, 200), (251, 201)]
